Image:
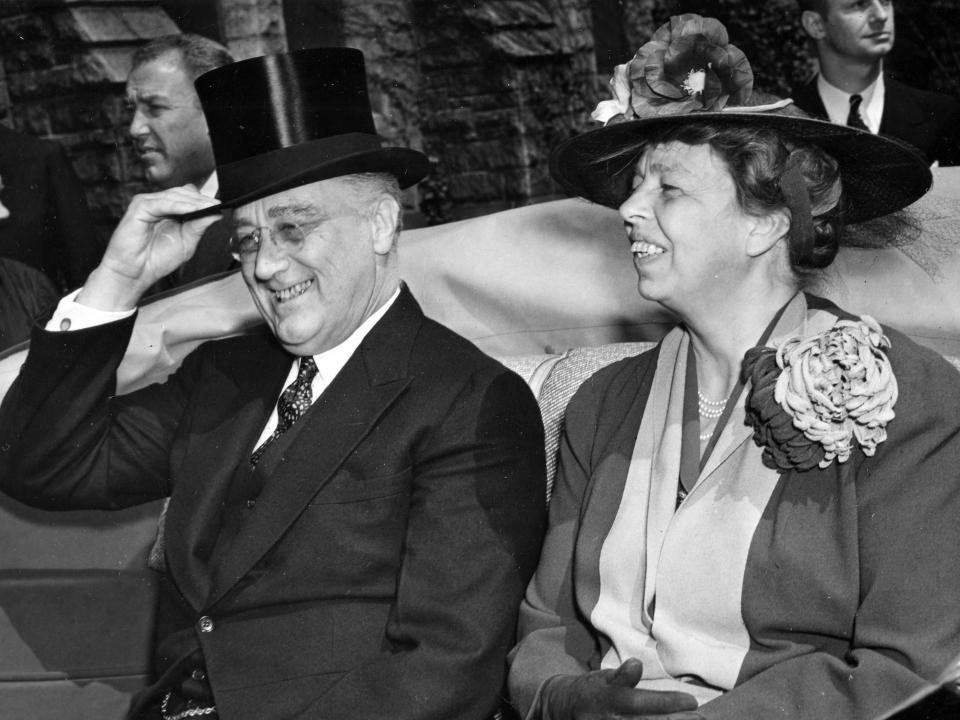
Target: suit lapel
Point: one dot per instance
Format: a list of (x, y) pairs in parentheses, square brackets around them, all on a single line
[(212, 254), (193, 518), (303, 463), (807, 98), (901, 114)]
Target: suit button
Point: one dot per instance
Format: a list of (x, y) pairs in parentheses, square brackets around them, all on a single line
[(250, 504), (205, 624)]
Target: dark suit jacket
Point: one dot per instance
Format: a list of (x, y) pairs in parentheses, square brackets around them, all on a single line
[(49, 226), (929, 121), (26, 294), (378, 573)]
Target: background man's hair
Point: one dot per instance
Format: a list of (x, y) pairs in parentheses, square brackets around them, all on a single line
[(817, 6), (199, 53)]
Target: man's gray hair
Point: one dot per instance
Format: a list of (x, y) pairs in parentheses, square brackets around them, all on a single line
[(199, 54), (375, 184)]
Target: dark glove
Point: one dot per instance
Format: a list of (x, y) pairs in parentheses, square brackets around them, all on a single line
[(603, 694)]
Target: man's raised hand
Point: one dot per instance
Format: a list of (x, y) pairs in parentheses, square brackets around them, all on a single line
[(148, 244)]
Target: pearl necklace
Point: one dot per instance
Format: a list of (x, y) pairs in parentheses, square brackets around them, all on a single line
[(709, 410)]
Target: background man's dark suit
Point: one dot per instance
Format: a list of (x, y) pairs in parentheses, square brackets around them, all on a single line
[(376, 570), (928, 121), (211, 257), (26, 295), (49, 227)]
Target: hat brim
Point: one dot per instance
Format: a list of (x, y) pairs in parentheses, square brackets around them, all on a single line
[(879, 174), (264, 175)]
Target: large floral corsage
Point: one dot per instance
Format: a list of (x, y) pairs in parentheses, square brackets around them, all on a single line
[(812, 397), (688, 65)]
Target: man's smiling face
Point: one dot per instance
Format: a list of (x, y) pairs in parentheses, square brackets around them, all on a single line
[(319, 271)]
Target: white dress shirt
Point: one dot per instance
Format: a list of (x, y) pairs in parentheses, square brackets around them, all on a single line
[(837, 102)]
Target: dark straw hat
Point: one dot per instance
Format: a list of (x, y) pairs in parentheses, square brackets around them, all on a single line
[(280, 121), (689, 74)]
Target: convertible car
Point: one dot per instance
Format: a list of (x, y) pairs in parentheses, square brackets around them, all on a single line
[(548, 289)]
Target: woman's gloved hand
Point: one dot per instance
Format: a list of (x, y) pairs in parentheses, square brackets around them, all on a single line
[(609, 694)]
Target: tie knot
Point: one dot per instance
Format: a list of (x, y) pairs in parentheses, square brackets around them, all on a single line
[(308, 370), (855, 101)]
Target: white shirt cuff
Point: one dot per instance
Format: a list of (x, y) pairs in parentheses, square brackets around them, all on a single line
[(71, 315)]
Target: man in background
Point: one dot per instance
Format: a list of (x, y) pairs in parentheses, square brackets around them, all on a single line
[(852, 38), (170, 135), (46, 223), (25, 295)]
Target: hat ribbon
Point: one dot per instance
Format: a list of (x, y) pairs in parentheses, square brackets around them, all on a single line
[(794, 189)]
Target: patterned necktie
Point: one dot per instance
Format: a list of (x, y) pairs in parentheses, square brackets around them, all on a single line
[(854, 119), (293, 402)]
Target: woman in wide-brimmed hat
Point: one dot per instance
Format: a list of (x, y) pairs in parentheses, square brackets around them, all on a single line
[(763, 512)]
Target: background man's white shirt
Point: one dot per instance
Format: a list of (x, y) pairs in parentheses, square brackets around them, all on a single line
[(837, 103)]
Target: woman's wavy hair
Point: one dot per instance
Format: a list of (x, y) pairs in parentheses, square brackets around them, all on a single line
[(756, 158)]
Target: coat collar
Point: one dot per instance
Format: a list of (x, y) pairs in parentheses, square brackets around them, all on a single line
[(807, 98)]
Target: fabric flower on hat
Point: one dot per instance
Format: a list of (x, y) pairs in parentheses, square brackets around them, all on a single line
[(617, 109), (811, 398), (688, 65)]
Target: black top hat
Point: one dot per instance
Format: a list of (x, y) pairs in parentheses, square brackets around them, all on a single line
[(280, 121), (689, 74)]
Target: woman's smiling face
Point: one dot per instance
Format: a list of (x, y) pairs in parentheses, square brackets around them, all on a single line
[(686, 229)]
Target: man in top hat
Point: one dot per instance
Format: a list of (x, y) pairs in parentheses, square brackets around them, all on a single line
[(356, 497), (852, 39), (171, 138)]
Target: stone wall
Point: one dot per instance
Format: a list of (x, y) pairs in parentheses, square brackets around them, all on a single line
[(483, 88), (503, 82)]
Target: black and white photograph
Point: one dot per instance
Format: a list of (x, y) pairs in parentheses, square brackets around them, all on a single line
[(479, 360)]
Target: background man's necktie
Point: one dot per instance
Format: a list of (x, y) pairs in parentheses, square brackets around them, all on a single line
[(293, 402), (854, 119)]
